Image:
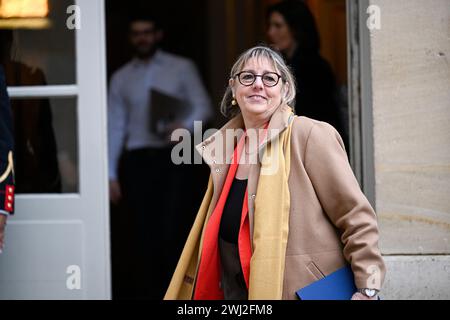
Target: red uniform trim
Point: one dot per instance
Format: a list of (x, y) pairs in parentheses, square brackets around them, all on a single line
[(9, 198)]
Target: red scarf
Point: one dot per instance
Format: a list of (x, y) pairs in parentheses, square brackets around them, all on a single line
[(208, 278)]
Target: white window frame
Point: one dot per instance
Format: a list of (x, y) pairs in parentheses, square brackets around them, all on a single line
[(91, 203)]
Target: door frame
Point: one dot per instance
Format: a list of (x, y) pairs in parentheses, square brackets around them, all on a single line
[(360, 97)]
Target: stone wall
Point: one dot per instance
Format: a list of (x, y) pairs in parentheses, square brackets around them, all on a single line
[(410, 57)]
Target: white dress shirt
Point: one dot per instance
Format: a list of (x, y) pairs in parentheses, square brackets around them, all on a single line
[(129, 101)]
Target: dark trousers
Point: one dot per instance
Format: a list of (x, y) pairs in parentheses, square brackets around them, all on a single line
[(157, 192)]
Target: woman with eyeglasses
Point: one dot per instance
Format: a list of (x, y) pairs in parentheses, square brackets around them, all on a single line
[(282, 207)]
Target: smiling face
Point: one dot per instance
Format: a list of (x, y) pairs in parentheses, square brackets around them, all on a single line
[(257, 99)]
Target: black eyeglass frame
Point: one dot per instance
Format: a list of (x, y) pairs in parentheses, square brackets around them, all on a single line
[(238, 75)]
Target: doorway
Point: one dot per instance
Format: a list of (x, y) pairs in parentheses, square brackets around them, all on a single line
[(212, 34), (185, 34)]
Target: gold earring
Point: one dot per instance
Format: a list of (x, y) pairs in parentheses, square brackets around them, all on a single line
[(233, 102)]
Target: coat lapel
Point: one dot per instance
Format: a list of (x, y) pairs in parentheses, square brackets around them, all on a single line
[(217, 151)]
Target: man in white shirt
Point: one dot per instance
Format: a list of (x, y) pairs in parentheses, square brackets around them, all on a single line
[(151, 182)]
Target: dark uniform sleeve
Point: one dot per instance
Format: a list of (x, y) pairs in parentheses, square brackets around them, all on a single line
[(6, 150)]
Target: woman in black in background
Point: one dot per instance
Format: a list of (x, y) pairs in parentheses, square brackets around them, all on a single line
[(292, 30)]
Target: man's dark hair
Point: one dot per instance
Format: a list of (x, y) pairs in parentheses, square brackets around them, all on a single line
[(147, 17)]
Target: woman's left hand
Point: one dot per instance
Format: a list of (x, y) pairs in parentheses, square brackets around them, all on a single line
[(360, 296)]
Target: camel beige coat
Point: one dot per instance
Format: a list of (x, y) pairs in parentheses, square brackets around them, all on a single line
[(331, 222)]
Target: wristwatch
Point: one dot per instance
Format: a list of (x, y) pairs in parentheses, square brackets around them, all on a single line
[(370, 293)]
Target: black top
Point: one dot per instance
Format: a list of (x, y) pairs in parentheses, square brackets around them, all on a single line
[(231, 216)]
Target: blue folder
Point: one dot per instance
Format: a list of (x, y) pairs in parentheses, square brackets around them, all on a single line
[(339, 285)]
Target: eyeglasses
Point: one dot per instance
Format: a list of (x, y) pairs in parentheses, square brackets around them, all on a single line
[(269, 79)]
